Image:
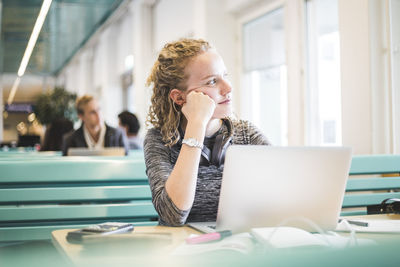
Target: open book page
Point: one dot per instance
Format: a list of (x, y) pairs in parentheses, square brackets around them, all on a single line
[(283, 237), (373, 226), (271, 237), (242, 243), (288, 237)]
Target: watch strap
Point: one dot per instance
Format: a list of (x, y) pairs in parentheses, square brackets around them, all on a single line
[(192, 142)]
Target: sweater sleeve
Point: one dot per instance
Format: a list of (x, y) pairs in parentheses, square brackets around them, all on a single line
[(256, 136), (158, 169), (248, 134)]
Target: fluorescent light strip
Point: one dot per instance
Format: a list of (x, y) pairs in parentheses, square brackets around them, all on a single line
[(13, 90), (29, 48), (35, 34)]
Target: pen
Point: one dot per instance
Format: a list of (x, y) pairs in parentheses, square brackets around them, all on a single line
[(358, 223), (208, 237)]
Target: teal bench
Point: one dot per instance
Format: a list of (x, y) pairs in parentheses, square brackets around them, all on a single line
[(370, 182), (7, 155), (49, 155), (39, 196)]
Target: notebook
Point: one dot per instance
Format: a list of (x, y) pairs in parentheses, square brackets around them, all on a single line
[(374, 225), (265, 186)]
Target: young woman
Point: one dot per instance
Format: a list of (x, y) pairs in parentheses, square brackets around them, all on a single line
[(190, 111)]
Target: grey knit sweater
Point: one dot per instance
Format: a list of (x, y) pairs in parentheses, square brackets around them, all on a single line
[(160, 161)]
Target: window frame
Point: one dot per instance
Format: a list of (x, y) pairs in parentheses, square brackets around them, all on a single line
[(294, 55)]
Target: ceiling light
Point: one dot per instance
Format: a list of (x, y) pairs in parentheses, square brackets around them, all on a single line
[(35, 34), (29, 48), (13, 90)]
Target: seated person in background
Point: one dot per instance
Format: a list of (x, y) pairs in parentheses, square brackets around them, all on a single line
[(53, 137), (130, 123), (93, 133), (191, 113)]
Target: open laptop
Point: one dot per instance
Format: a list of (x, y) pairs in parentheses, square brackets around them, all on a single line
[(264, 186), (107, 151)]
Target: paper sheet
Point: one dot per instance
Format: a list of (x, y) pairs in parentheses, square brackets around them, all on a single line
[(374, 226)]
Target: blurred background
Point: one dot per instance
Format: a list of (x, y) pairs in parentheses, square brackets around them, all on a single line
[(306, 72)]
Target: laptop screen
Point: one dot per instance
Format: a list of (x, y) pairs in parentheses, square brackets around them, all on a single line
[(283, 186)]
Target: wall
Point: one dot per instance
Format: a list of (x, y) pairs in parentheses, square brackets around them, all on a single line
[(172, 19), (395, 64), (381, 105), (355, 73)]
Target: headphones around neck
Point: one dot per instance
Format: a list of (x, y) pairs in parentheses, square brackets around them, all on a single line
[(216, 156)]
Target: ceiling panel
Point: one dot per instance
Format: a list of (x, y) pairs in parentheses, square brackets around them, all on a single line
[(69, 24)]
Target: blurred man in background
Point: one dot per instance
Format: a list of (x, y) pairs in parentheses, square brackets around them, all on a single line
[(94, 133)]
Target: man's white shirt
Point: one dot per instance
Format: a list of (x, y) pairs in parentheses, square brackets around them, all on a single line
[(89, 140)]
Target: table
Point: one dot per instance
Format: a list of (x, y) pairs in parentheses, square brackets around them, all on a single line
[(146, 252), (140, 249)]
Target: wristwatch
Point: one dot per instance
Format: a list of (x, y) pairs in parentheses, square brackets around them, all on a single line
[(192, 142)]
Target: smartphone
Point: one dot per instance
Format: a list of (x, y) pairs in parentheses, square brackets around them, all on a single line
[(102, 229)]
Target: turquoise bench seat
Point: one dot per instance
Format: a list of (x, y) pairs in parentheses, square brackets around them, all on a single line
[(51, 155), (16, 155), (366, 186), (39, 196)]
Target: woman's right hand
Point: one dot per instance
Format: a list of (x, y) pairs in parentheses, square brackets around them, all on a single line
[(198, 107)]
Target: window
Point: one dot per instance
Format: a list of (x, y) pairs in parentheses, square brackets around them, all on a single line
[(323, 97), (265, 75)]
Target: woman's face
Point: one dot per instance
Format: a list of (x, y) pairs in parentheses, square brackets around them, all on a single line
[(207, 74)]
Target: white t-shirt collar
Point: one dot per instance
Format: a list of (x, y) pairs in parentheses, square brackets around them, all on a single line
[(89, 140)]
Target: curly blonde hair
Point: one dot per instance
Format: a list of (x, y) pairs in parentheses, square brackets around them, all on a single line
[(168, 72)]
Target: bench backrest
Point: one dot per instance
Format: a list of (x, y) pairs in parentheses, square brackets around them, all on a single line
[(373, 178), (39, 196)]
